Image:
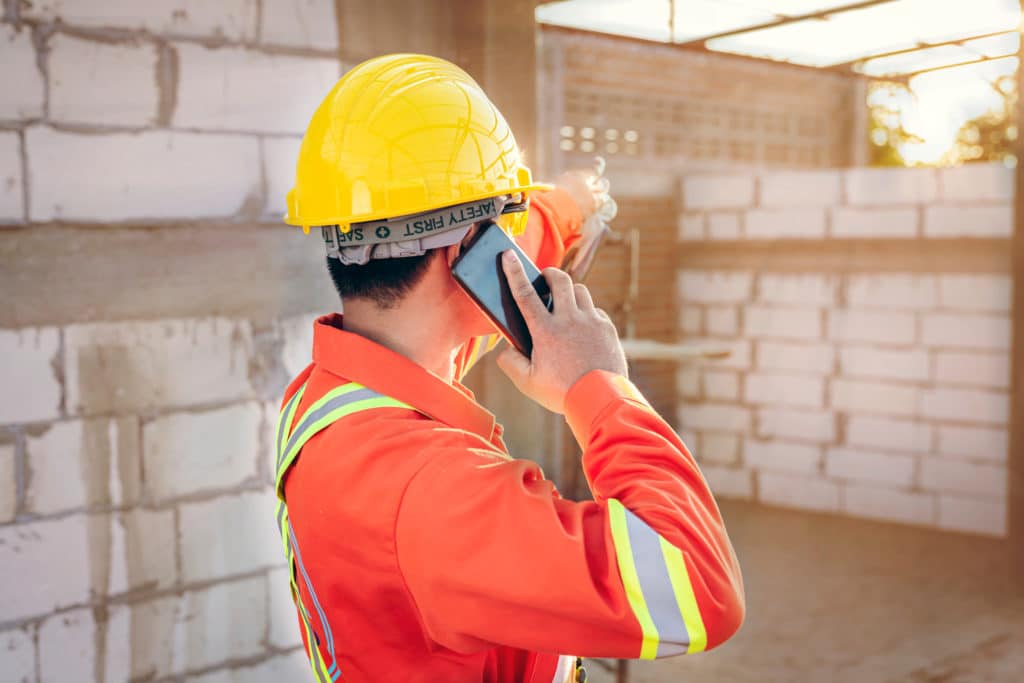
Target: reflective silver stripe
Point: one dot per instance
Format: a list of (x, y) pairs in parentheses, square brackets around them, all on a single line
[(656, 585), (310, 419), (328, 634)]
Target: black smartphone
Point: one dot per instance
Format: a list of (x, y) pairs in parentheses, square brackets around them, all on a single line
[(478, 270)]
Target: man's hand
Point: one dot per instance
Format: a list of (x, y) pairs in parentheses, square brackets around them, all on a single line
[(568, 342)]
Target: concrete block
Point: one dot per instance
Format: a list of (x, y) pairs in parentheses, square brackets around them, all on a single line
[(12, 206), (968, 221), (131, 366), (895, 290), (297, 333), (42, 550), (888, 434), (798, 290), (722, 321), (690, 227), (688, 382), (801, 425), (888, 186), (812, 358), (901, 364), (976, 292), (883, 327), (767, 224), (241, 89), (715, 286), (83, 463), (186, 453), (289, 667), (141, 549), (8, 484), (797, 491), (850, 222), (280, 156), (800, 188), (724, 225), (976, 443), (691, 320), (729, 482), (973, 369), (721, 385), (231, 19), (973, 516), (299, 23), (776, 322), (966, 405), (782, 456), (886, 504), (229, 535), (986, 332), (67, 646), (977, 182), (224, 622), (971, 478), (722, 449), (102, 83), (157, 175), (23, 82), (784, 389), (874, 398), (18, 655), (31, 359), (714, 417), (870, 466), (284, 622), (147, 638), (718, 191)]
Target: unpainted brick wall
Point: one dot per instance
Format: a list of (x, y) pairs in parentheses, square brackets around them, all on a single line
[(137, 536), (877, 391)]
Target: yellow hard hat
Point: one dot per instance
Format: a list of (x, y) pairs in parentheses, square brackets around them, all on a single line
[(401, 135)]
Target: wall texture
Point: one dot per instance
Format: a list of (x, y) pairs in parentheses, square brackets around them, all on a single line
[(147, 331), (868, 315)]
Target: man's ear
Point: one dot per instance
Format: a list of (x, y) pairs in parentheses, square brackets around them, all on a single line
[(451, 252)]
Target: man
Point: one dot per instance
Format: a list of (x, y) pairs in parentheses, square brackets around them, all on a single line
[(420, 550)]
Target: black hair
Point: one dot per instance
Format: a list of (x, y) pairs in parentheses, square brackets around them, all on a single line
[(383, 281)]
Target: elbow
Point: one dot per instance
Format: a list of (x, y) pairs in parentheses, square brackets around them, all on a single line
[(726, 613)]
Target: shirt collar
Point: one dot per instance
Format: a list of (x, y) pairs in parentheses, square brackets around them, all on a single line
[(357, 359)]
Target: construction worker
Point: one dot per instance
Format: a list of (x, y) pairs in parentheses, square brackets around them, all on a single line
[(420, 550)]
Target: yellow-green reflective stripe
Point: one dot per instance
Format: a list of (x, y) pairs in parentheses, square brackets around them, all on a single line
[(285, 421), (319, 670), (630, 579), (296, 444), (685, 597)]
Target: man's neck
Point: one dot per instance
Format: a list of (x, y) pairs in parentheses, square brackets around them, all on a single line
[(408, 329)]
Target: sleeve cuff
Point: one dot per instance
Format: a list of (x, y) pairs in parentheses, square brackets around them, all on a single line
[(591, 395), (564, 207)]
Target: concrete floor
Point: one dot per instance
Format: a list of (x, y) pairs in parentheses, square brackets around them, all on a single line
[(844, 601)]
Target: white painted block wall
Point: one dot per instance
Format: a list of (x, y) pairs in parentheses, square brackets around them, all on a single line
[(872, 394)]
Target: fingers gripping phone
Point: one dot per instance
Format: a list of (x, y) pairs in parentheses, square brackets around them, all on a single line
[(478, 270)]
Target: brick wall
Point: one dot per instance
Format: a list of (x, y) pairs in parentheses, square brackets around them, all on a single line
[(136, 504), (868, 312)]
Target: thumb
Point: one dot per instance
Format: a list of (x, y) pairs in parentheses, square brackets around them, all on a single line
[(514, 364)]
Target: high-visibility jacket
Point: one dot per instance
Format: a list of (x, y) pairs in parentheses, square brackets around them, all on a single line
[(421, 551)]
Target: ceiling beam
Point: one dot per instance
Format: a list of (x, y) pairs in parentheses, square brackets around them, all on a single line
[(917, 48), (783, 21), (980, 60)]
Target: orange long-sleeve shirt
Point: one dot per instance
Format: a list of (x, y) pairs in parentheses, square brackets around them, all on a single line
[(435, 556)]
